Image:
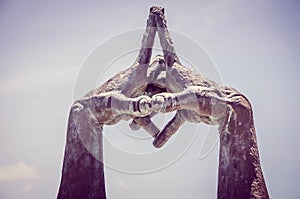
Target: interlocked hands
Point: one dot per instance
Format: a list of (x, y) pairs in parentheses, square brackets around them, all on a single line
[(144, 89), (162, 86)]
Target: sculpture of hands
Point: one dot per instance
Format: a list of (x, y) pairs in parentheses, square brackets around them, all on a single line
[(172, 87), (163, 85)]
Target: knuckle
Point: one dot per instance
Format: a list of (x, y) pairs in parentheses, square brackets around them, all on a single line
[(77, 106)]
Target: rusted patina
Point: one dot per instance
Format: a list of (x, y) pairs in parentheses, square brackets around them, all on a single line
[(162, 86)]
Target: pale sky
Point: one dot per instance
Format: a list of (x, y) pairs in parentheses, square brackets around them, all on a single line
[(46, 44)]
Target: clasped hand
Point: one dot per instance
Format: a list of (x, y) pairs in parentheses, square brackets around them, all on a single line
[(162, 86)]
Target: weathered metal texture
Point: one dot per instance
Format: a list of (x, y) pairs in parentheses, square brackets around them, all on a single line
[(82, 174), (162, 86)]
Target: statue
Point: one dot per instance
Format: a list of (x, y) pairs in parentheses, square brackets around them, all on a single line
[(162, 86)]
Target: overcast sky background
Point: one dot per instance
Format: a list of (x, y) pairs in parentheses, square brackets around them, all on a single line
[(43, 44)]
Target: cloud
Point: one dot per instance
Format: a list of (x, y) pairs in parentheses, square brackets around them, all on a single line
[(18, 171)]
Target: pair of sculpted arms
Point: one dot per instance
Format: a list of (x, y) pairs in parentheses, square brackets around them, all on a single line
[(163, 85)]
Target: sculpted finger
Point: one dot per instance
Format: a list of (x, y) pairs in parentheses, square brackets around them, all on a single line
[(147, 41), (166, 42), (147, 124), (168, 131), (134, 125), (201, 100), (168, 102), (164, 103), (138, 107)]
